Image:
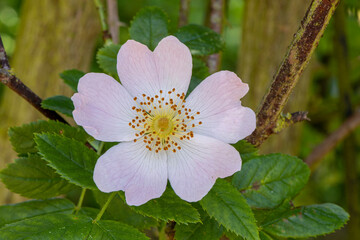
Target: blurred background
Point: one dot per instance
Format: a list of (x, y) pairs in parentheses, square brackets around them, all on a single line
[(45, 37)]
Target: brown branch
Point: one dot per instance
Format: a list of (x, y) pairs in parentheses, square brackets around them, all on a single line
[(4, 62), (330, 142), (289, 119), (184, 12), (12, 82), (113, 20), (301, 48), (169, 230), (215, 22)]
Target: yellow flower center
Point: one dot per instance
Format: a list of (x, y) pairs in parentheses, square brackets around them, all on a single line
[(163, 126), (163, 121)]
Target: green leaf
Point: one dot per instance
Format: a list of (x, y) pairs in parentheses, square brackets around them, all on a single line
[(207, 229), (59, 103), (26, 210), (268, 180), (169, 207), (149, 26), (246, 150), (70, 158), (119, 211), (230, 209), (32, 178), (107, 58), (307, 221), (61, 226), (71, 78), (22, 138), (201, 40)]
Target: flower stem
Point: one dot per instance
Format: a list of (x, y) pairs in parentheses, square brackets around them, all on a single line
[(104, 26), (98, 217), (81, 199)]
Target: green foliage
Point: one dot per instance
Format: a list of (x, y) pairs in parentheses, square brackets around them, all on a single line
[(168, 207), (201, 40), (59, 103), (119, 211), (31, 177), (71, 78), (247, 150), (22, 138), (230, 209), (70, 158), (30, 209), (306, 221), (149, 26), (207, 229), (268, 180), (61, 226), (107, 58)]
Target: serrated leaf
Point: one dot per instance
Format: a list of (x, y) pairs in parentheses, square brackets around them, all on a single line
[(119, 211), (230, 209), (246, 150), (201, 40), (61, 226), (60, 104), (26, 210), (71, 78), (207, 229), (169, 207), (268, 180), (307, 221), (22, 138), (199, 72), (31, 177), (107, 58), (70, 158), (149, 26)]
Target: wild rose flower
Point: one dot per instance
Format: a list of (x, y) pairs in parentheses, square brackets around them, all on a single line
[(162, 135)]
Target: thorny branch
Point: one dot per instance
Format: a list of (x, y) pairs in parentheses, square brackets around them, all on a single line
[(331, 141), (301, 48), (15, 84), (113, 20)]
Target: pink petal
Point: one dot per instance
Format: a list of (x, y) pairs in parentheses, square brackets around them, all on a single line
[(217, 99), (144, 72), (130, 167), (103, 108), (194, 169)]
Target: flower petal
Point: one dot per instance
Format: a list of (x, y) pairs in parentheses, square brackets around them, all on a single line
[(217, 99), (144, 72), (194, 169), (103, 108), (130, 167)]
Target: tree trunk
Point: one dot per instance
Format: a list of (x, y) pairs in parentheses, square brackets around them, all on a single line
[(268, 28), (53, 36)]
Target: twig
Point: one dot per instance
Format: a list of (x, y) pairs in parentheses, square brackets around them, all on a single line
[(301, 48), (285, 121), (330, 142), (11, 81), (169, 230), (105, 29), (216, 19), (4, 62), (113, 20), (184, 12)]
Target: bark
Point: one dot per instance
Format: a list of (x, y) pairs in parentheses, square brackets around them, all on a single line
[(269, 26), (53, 36)]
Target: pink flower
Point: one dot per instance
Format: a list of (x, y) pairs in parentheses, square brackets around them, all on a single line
[(162, 136)]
